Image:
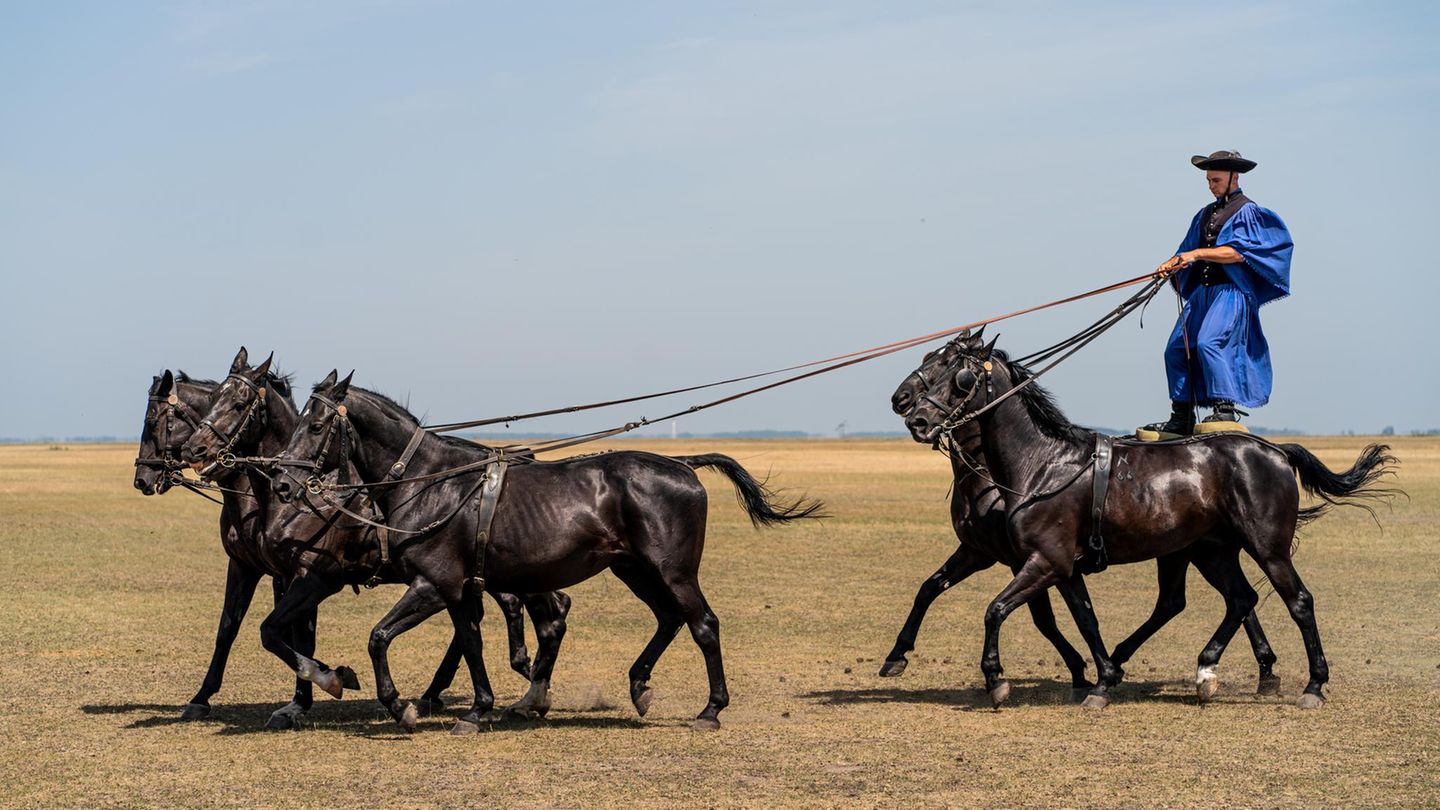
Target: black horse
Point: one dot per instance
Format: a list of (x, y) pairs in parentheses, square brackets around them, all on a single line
[(177, 406), (557, 523), (1220, 491), (977, 514)]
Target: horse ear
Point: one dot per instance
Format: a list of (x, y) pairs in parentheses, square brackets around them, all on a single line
[(990, 348), (165, 383), (242, 359), (980, 334), (329, 381), (342, 388), (263, 368)]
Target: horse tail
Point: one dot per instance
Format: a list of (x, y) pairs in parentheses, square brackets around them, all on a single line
[(758, 500), (1354, 487)]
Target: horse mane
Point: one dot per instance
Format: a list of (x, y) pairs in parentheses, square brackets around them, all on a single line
[(284, 384), (453, 441), (1040, 404), (182, 376)]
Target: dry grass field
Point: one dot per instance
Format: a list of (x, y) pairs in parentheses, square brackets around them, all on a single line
[(111, 602)]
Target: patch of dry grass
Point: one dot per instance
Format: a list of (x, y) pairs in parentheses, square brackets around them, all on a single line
[(111, 601)]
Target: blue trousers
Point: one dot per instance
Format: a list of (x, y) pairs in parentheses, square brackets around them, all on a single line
[(1217, 351)]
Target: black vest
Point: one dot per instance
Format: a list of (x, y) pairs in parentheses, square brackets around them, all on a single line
[(1211, 222)]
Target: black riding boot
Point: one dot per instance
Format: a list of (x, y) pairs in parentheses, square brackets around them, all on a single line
[(1225, 417), (1181, 423)]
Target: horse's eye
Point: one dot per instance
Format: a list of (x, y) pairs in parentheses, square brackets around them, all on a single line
[(316, 427), (237, 407)]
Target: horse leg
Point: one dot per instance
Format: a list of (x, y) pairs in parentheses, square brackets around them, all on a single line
[(1264, 656), (514, 609), (1286, 581), (431, 701), (651, 590), (240, 582), (547, 612), (961, 564), (1170, 573), (465, 615), (1032, 578), (1043, 615), (1077, 598), (705, 629), (511, 606), (302, 640), (1223, 572), (419, 602), (298, 604)]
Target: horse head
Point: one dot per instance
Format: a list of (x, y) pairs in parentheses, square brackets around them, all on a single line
[(238, 417), (954, 384)]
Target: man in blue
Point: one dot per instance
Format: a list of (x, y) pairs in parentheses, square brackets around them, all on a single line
[(1234, 260)]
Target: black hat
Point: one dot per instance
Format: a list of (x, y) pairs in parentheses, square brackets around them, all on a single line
[(1223, 161)]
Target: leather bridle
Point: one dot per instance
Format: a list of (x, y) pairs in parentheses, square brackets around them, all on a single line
[(173, 408), (225, 456)]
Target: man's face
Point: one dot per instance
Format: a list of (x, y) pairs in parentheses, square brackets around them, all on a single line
[(1219, 182)]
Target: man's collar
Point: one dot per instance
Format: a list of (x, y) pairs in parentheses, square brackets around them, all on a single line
[(1225, 198)]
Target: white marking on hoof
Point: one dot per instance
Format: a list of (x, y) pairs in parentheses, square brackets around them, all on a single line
[(706, 724), (409, 717), (1309, 700), (1207, 682), (1000, 693), (286, 717), (1095, 702), (327, 680), (464, 727)]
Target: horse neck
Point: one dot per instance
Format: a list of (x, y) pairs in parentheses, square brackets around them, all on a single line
[(968, 468), (383, 431), (1016, 450), (280, 420)]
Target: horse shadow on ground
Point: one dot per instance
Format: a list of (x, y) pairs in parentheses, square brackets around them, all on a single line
[(1024, 692), (354, 718)]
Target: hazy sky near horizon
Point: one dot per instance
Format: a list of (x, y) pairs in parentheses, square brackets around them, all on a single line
[(492, 207)]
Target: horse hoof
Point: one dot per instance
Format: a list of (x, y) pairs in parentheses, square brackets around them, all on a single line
[(409, 717), (347, 678), (642, 700), (428, 706), (464, 727), (1310, 700), (893, 669), (999, 693), (286, 719), (1269, 685), (1094, 701), (706, 724), (1207, 683), (1079, 693), (330, 683), (195, 711)]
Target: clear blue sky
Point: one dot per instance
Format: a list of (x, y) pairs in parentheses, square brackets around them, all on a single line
[(500, 206)]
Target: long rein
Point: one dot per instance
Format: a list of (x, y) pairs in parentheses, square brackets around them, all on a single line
[(340, 422), (945, 443)]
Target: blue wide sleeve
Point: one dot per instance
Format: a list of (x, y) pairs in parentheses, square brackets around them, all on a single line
[(1263, 241), (1191, 241)]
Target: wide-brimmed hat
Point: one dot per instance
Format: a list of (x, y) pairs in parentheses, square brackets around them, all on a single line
[(1223, 161)]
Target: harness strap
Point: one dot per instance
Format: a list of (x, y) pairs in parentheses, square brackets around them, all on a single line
[(1095, 548), (398, 468), (489, 500)]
